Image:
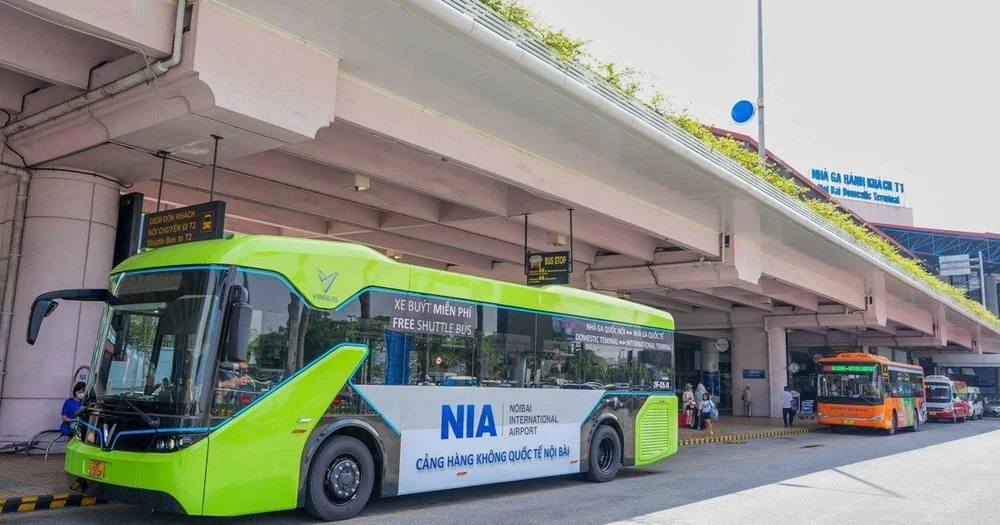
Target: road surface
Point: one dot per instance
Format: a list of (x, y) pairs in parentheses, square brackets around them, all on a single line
[(943, 474)]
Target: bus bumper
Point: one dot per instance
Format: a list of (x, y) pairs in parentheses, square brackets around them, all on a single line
[(144, 498), (170, 482)]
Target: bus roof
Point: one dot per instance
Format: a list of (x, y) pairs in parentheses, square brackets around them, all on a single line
[(860, 356), (330, 273)]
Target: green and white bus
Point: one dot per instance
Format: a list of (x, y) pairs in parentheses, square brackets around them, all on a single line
[(256, 374)]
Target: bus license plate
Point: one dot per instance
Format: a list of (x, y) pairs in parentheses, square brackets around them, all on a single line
[(848, 422), (96, 469), (932, 413)]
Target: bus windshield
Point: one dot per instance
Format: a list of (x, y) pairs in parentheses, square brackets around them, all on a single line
[(850, 381), (938, 393), (157, 344)]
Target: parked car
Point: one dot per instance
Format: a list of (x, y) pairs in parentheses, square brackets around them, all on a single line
[(991, 407), (975, 399), (459, 381)]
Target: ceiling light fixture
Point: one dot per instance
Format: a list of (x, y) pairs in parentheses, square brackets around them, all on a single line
[(357, 182)]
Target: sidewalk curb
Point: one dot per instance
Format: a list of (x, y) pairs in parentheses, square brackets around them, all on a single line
[(748, 436), (49, 501)]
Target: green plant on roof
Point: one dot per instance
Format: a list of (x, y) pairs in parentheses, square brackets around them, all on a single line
[(629, 82)]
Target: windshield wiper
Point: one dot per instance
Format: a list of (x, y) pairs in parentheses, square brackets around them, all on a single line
[(152, 421)]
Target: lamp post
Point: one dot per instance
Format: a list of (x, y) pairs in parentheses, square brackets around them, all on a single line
[(761, 152)]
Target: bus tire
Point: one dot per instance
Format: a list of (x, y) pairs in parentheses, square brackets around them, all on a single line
[(892, 427), (605, 455), (916, 421), (341, 479)]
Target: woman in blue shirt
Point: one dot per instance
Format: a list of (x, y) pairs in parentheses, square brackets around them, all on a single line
[(70, 407)]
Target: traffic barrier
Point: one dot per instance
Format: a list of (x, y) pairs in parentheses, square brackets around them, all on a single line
[(763, 434), (50, 501)]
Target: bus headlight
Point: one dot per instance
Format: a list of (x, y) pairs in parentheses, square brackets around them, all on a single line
[(821, 414), (879, 417), (171, 443)]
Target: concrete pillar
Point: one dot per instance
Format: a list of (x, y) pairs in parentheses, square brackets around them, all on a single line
[(709, 364), (777, 364), (749, 353), (991, 294), (69, 236)]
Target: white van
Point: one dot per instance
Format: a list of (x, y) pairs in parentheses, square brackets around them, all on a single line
[(976, 405)]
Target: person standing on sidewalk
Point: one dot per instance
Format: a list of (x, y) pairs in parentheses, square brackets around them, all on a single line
[(787, 415), (747, 406), (705, 413), (688, 405)]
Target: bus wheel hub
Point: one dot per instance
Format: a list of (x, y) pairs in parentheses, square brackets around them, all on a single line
[(343, 479)]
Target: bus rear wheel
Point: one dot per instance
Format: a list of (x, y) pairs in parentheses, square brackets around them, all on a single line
[(605, 455), (916, 421), (341, 479)]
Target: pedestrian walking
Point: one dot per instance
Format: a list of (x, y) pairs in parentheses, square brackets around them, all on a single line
[(747, 406), (787, 414), (706, 412)]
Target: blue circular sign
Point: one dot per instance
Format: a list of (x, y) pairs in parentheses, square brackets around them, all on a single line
[(743, 111)]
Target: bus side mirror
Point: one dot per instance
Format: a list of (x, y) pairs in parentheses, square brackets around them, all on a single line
[(39, 311), (238, 331), (45, 304)]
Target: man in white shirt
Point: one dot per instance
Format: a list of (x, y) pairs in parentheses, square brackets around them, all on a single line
[(787, 415)]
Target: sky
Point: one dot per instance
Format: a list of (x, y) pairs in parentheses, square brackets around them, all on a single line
[(901, 90)]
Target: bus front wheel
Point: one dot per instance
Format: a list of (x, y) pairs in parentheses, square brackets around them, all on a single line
[(892, 428), (341, 479), (605, 455)]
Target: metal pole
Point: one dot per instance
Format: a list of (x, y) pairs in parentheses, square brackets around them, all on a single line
[(982, 279), (163, 169), (215, 160), (761, 151), (525, 244), (571, 241)]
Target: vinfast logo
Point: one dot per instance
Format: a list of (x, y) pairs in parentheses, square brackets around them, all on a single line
[(461, 421), (106, 434), (326, 280)]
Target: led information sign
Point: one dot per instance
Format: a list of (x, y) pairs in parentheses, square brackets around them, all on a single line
[(849, 369), (547, 268), (200, 222)]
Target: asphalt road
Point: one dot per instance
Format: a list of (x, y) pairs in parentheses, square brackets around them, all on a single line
[(781, 478)]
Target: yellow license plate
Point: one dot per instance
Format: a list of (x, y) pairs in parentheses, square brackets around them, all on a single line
[(96, 469), (932, 413), (848, 422)]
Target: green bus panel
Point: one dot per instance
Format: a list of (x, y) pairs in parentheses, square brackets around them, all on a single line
[(656, 429), (304, 262), (255, 458)]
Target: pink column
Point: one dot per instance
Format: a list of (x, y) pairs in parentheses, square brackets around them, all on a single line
[(69, 235), (750, 352)]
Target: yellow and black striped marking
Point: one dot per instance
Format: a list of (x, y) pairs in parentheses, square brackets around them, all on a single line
[(51, 501), (750, 435)]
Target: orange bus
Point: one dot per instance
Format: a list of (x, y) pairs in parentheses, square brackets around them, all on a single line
[(865, 390)]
